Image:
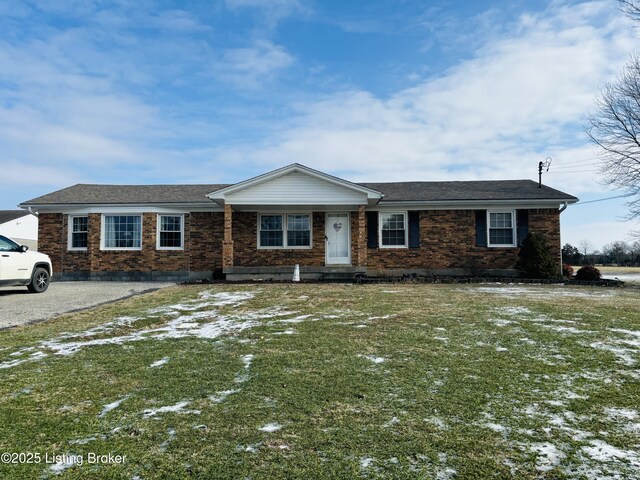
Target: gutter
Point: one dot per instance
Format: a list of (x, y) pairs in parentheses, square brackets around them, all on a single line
[(564, 207)]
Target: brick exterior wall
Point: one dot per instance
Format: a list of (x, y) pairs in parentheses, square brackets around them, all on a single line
[(202, 246), (447, 241)]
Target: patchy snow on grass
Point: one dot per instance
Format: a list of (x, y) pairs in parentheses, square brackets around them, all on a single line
[(270, 427), (547, 291), (112, 406), (548, 456), (373, 358), (159, 363), (246, 360), (177, 408), (499, 322), (391, 423), (84, 441), (171, 435), (213, 326), (66, 461), (623, 354), (437, 421), (288, 331), (365, 462), (603, 452), (222, 395)]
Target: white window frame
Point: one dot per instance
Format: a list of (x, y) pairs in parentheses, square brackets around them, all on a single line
[(513, 228), (159, 224), (120, 249), (284, 216), (406, 229), (70, 232)]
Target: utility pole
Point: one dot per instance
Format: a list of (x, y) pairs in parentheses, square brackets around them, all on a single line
[(546, 164)]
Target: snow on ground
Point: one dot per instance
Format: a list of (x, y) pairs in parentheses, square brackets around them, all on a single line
[(373, 358), (177, 408), (67, 461), (112, 406), (546, 291), (188, 321), (270, 427), (159, 363), (548, 457)]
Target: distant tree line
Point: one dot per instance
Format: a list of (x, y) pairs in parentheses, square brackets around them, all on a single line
[(618, 253)]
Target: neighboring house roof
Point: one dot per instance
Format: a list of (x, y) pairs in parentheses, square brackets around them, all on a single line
[(467, 190), (8, 215)]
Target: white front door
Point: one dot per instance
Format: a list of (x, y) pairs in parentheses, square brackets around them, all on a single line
[(338, 238)]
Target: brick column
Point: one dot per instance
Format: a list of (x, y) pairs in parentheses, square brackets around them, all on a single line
[(361, 256), (227, 242)]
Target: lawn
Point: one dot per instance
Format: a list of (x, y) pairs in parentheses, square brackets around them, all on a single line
[(329, 381)]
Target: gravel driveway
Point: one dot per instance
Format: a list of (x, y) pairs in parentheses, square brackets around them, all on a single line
[(18, 306)]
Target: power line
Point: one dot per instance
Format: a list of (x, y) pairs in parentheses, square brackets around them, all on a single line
[(573, 171), (602, 199)]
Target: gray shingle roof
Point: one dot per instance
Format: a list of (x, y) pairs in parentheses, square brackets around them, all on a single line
[(393, 191), (467, 190), (8, 215), (127, 194)]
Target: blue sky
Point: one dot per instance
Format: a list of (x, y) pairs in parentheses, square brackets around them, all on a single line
[(217, 91)]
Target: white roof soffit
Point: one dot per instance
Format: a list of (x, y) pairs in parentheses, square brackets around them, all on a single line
[(221, 196)]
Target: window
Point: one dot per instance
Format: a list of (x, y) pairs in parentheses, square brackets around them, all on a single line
[(298, 231), (170, 232), (8, 245), (272, 230), (78, 232), (122, 232), (501, 229), (393, 229)]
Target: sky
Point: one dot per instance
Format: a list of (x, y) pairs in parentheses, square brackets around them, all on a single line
[(155, 92)]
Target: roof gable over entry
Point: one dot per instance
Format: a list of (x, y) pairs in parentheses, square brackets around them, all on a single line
[(296, 185)]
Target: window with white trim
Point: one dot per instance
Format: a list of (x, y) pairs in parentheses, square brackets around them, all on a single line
[(170, 232), (78, 232), (393, 229), (284, 231), (501, 227), (122, 232)]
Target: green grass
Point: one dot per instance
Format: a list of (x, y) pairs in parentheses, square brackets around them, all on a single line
[(377, 381)]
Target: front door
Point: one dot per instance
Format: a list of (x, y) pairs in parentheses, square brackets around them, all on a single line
[(338, 238)]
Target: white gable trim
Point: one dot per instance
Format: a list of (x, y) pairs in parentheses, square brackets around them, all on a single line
[(221, 196)]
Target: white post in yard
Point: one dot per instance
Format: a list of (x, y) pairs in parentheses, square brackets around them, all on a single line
[(296, 273)]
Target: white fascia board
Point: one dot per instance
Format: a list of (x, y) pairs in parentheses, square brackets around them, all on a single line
[(470, 204), (127, 208), (295, 167)]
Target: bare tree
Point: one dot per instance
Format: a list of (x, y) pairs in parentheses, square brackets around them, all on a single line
[(585, 247), (615, 126), (631, 8)]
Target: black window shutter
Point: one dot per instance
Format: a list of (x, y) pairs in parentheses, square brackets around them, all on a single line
[(522, 225), (372, 229), (414, 229), (481, 228)]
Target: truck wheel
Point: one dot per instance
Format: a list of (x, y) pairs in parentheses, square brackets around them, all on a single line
[(39, 281)]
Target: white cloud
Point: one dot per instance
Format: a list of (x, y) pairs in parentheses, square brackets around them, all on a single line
[(252, 66), (521, 97), (272, 11)]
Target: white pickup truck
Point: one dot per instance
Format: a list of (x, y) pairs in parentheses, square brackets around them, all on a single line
[(19, 266)]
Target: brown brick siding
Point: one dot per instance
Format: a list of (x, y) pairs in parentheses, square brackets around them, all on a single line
[(247, 254), (447, 241), (202, 246)]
